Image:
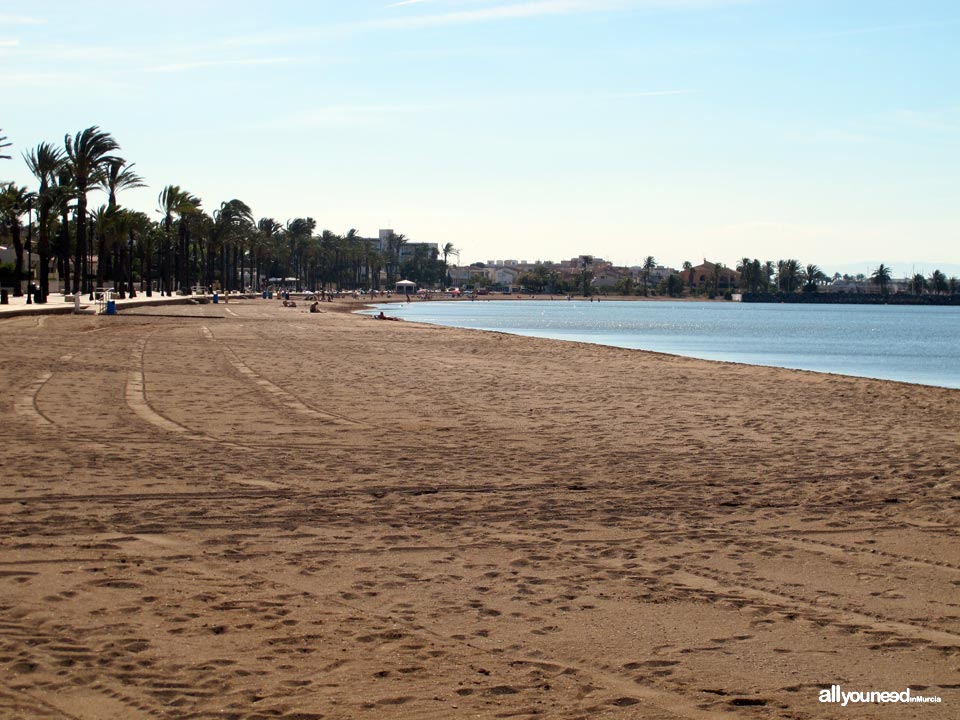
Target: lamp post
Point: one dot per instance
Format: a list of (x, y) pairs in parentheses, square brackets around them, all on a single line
[(10, 228), (130, 289), (29, 238), (91, 234)]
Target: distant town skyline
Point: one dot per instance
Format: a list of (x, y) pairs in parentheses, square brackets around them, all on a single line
[(827, 131)]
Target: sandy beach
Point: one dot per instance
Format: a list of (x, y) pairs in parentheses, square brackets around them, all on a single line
[(248, 511)]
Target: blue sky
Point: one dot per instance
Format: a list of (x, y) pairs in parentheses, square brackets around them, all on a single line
[(828, 131)]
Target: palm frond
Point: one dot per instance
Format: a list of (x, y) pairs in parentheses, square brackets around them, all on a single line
[(4, 144)]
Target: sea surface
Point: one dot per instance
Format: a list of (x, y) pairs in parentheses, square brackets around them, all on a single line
[(915, 344)]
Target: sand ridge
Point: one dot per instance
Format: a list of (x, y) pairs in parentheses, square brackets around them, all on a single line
[(270, 513)]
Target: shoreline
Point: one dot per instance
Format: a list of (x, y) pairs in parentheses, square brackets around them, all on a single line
[(272, 512), (371, 306)]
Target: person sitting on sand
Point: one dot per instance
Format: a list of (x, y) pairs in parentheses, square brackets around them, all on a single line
[(315, 308)]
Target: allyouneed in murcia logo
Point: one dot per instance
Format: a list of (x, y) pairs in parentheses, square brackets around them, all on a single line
[(835, 694)]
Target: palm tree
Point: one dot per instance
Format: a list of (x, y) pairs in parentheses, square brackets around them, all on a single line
[(102, 228), (63, 194), (938, 282), (788, 275), (768, 271), (4, 144), (918, 283), (188, 210), (649, 263), (447, 250), (688, 269), (267, 230), (148, 238), (745, 268), (349, 270), (298, 233), (14, 202), (45, 163), (812, 276), (751, 274), (87, 153), (174, 201), (230, 225), (114, 176), (881, 278), (321, 252), (586, 273), (132, 226), (717, 270), (394, 247)]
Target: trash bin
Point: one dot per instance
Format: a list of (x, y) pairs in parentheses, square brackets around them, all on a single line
[(269, 294), (216, 298), (4, 300), (111, 307), (38, 296), (264, 295)]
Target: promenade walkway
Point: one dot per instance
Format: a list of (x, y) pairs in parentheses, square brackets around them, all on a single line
[(57, 304)]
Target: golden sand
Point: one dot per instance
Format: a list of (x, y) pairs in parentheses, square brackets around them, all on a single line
[(249, 511)]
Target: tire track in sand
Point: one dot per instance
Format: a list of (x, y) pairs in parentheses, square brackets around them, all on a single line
[(718, 587), (136, 397), (277, 392), (26, 405)]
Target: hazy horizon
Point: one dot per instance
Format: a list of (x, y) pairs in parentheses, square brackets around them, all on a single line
[(525, 129)]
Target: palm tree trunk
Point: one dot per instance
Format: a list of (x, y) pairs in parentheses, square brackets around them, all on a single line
[(43, 250), (184, 279), (87, 260), (147, 275), (130, 290), (64, 249), (233, 276), (78, 263), (223, 267), (174, 277), (210, 262), (18, 261), (101, 257)]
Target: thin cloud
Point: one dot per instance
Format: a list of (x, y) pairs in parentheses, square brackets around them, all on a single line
[(38, 79), (539, 8), (21, 20), (645, 93), (74, 54), (201, 64), (920, 120), (890, 28), (531, 9), (350, 115)]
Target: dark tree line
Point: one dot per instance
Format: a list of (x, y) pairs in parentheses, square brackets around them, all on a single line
[(188, 246)]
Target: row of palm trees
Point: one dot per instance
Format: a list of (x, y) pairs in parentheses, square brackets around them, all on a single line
[(791, 276), (187, 246)]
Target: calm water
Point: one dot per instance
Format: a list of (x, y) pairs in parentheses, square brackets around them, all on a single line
[(910, 344)]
